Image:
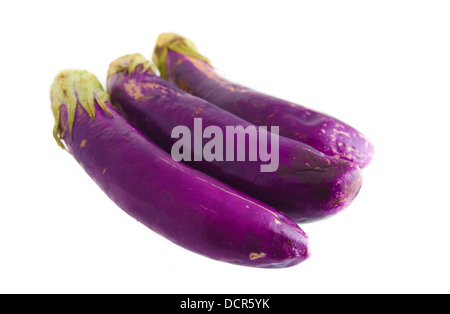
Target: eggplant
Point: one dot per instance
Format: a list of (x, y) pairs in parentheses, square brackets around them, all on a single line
[(307, 185), (180, 63), (174, 200)]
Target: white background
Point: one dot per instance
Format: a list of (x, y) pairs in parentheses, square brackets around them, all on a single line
[(381, 66)]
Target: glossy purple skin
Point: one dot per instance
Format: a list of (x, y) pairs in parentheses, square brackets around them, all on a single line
[(180, 203), (308, 185), (323, 132)]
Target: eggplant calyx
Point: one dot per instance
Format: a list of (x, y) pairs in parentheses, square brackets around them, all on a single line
[(176, 43), (130, 64), (72, 88)]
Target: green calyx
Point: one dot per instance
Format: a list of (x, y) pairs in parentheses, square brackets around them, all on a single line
[(176, 43), (130, 64), (72, 88)]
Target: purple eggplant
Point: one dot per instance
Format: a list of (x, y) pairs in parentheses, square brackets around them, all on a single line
[(180, 203), (307, 185), (179, 62)]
